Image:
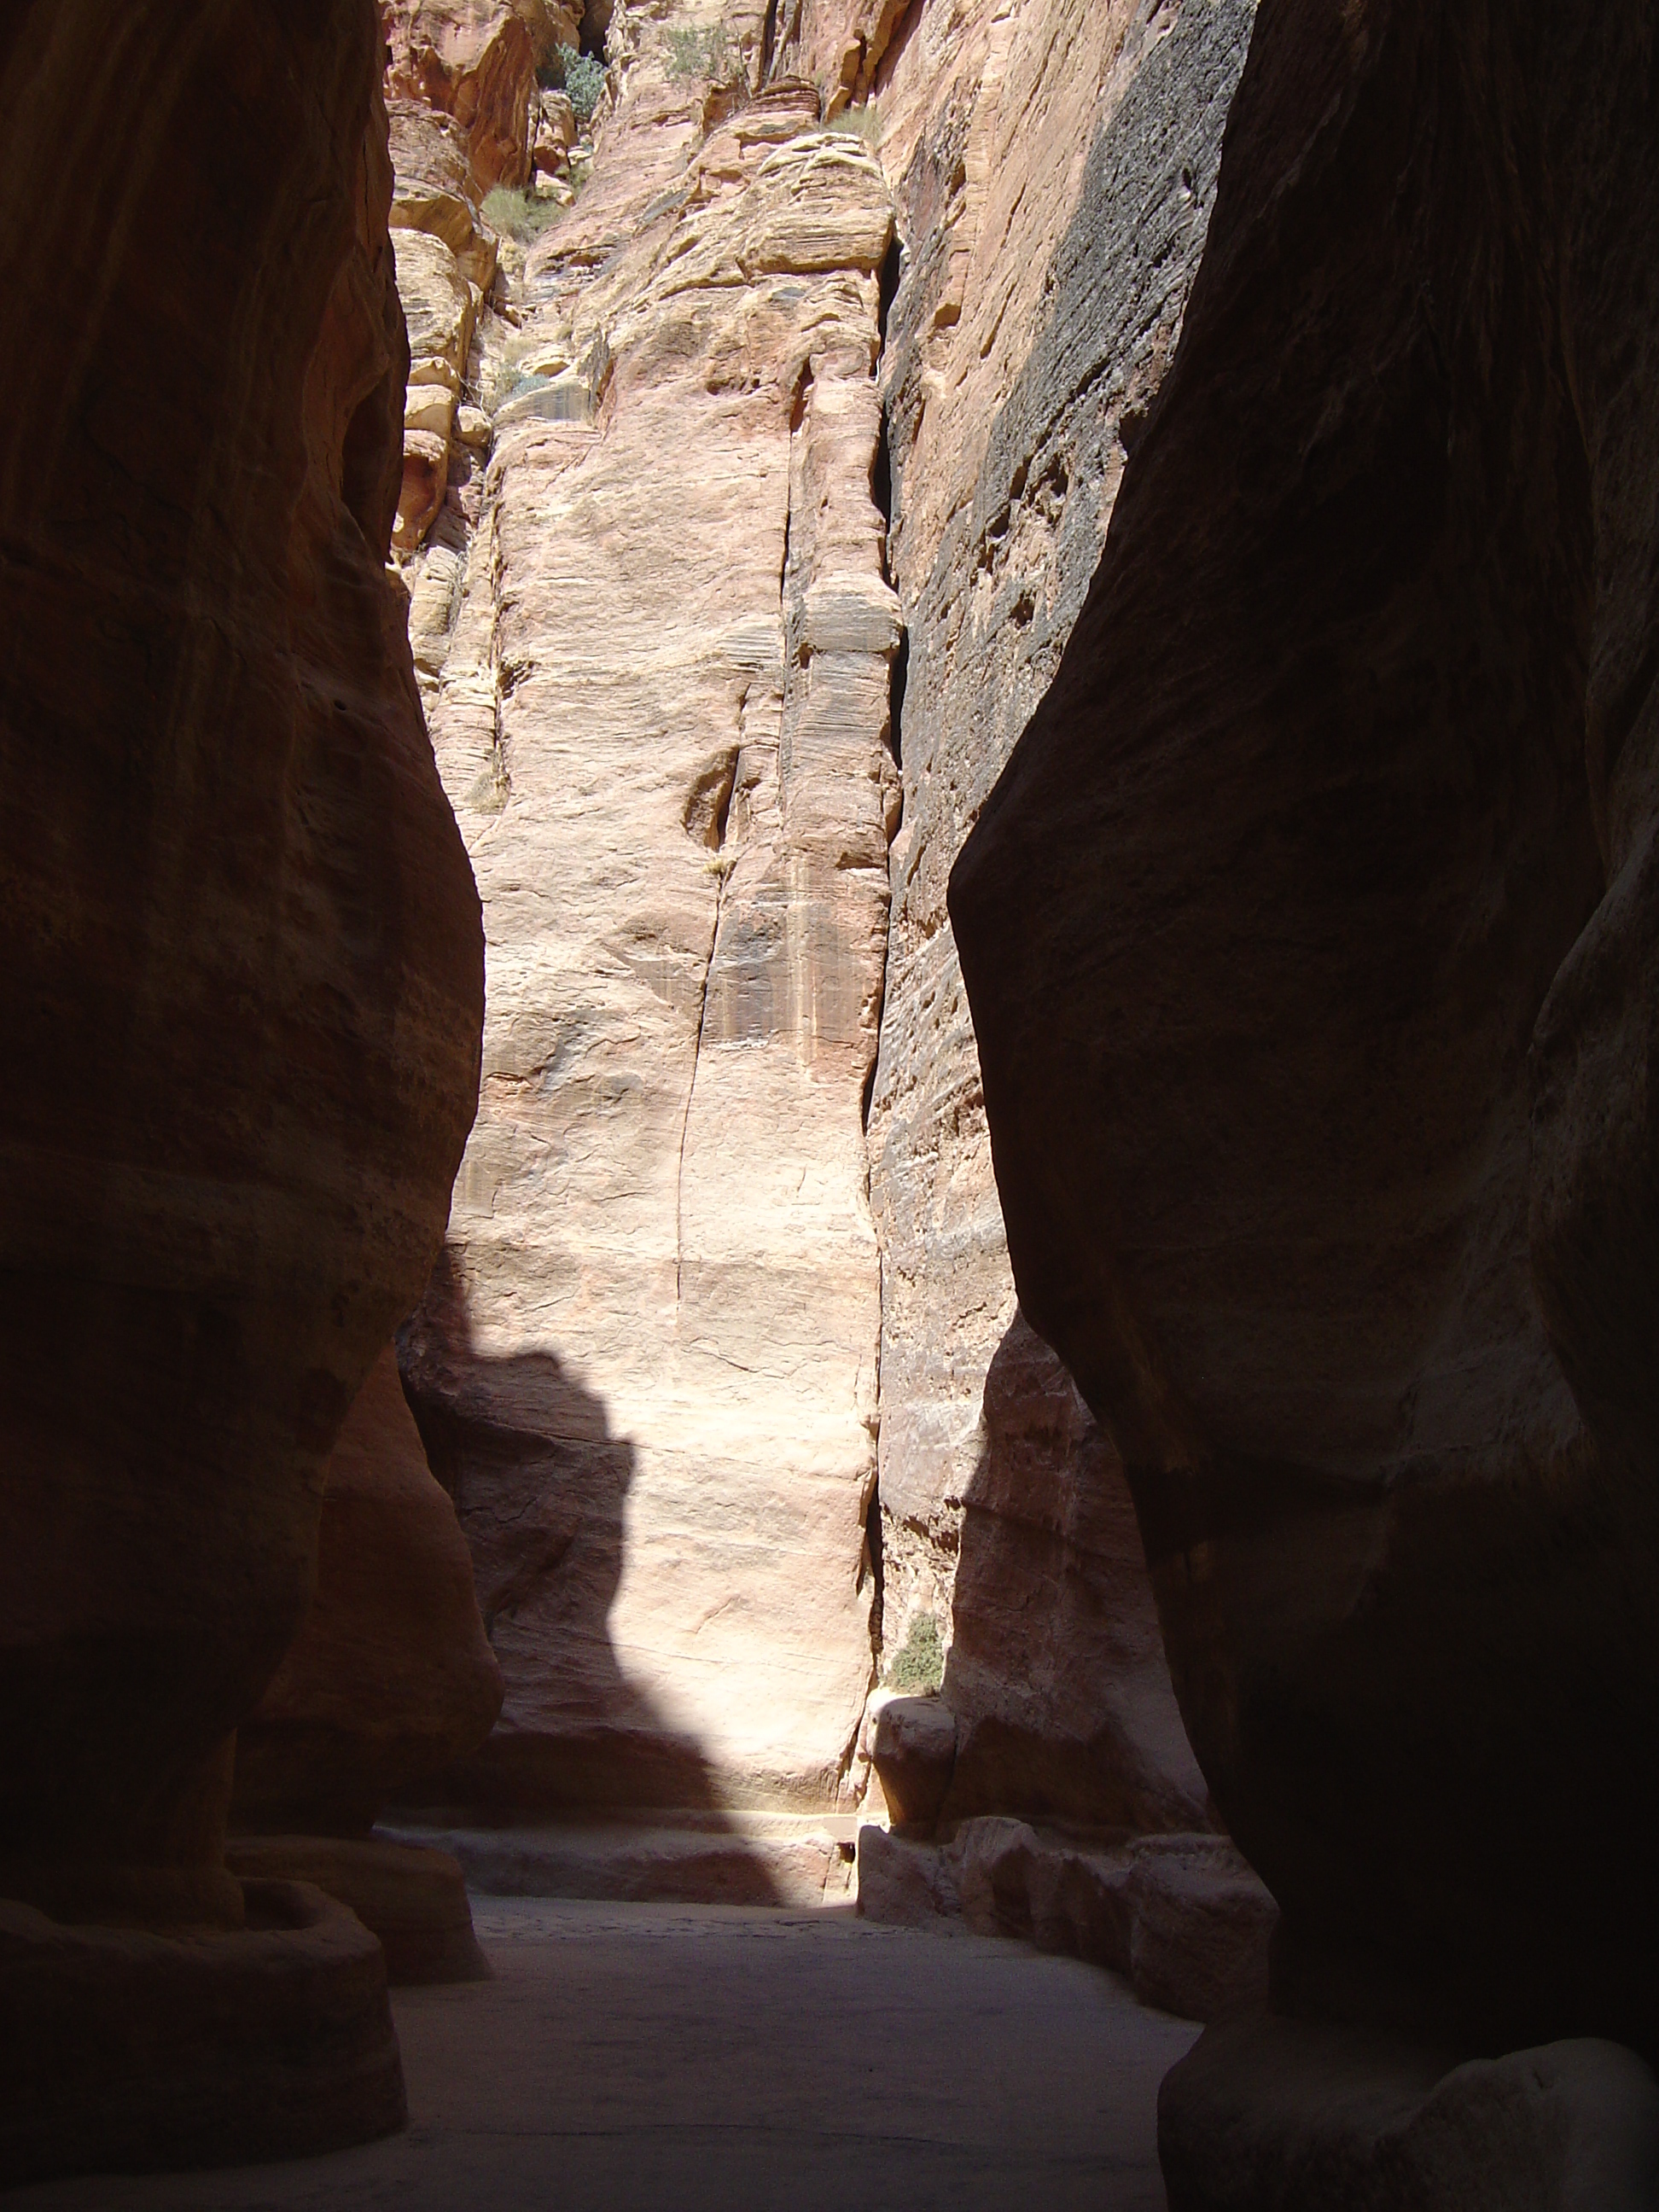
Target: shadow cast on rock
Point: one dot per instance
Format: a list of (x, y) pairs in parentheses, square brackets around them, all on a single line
[(1056, 1671), (540, 1485)]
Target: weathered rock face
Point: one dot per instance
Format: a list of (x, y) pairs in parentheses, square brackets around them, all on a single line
[(241, 994), (1311, 936), (1056, 1671), (648, 1372), (1057, 164), (244, 991), (475, 60), (391, 1679)]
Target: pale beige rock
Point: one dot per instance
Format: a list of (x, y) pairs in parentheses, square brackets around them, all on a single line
[(648, 1371), (438, 302), (429, 407), (694, 1024), (914, 1746), (440, 307), (433, 188)]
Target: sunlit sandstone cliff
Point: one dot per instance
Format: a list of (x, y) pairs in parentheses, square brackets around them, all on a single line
[(648, 1368), (804, 442)]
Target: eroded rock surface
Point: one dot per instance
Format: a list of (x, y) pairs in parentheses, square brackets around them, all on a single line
[(1182, 1918), (475, 60), (1055, 164), (1310, 935), (665, 643), (660, 676), (390, 1680), (241, 995)]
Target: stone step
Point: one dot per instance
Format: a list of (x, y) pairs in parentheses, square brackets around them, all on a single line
[(734, 1858), (1183, 1917)]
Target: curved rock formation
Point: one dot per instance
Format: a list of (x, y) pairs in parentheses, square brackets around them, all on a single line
[(389, 1682), (391, 1679), (243, 983), (1311, 942), (477, 60), (1054, 164)]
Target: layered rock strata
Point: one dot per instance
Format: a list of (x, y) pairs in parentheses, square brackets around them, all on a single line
[(477, 61), (1309, 935), (447, 264), (688, 440), (658, 691), (242, 1000), (1055, 167)]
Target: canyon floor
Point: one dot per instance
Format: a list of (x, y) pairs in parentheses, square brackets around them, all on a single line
[(670, 2058)]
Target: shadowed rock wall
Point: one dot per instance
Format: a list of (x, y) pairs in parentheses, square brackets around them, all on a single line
[(242, 988), (1311, 940), (242, 994), (1056, 164)]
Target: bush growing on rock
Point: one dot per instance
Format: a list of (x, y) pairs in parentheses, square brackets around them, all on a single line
[(858, 123), (918, 1664), (580, 76), (520, 215), (692, 52)]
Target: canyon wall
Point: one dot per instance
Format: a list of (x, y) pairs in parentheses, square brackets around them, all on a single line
[(1310, 936), (241, 999), (805, 444), (1056, 165), (648, 1370)]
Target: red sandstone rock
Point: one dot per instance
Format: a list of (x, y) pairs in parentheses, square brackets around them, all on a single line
[(913, 1747), (1182, 1917), (477, 60), (242, 989), (390, 1679), (1056, 1672), (1311, 941), (135, 2050), (412, 1898)]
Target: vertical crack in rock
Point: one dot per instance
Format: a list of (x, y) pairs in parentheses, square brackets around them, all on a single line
[(764, 446), (1055, 163), (709, 810), (666, 1284)]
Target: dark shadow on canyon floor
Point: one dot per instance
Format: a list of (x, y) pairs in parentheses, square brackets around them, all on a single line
[(540, 1485)]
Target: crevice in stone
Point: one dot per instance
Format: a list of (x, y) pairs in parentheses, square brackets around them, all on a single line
[(900, 680), (691, 1088), (892, 275), (880, 62), (873, 1557)]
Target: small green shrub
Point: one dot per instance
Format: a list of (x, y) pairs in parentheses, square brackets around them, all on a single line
[(919, 1664), (520, 215), (692, 52), (580, 76), (858, 123)]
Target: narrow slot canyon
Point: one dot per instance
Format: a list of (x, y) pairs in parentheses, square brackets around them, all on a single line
[(833, 1243)]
